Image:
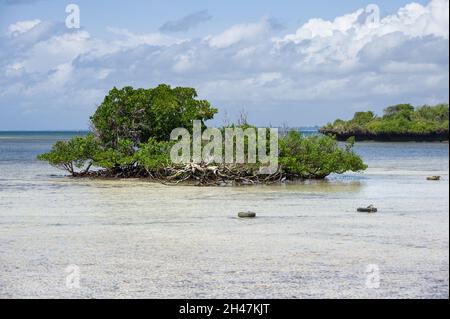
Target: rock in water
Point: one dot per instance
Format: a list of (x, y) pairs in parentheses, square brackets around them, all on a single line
[(433, 178), (246, 214), (368, 209)]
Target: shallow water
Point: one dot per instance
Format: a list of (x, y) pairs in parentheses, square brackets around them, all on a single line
[(131, 238)]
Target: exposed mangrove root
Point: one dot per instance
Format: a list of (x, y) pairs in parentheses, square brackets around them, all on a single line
[(196, 174)]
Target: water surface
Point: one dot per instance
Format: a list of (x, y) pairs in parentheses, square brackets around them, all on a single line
[(132, 238)]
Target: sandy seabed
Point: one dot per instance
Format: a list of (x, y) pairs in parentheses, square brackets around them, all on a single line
[(131, 238)]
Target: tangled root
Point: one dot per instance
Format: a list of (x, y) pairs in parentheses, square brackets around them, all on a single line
[(198, 174)]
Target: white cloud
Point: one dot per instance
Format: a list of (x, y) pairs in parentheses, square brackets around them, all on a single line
[(238, 33), (56, 81), (130, 39), (59, 49), (321, 28), (404, 67), (344, 38), (21, 27), (310, 75)]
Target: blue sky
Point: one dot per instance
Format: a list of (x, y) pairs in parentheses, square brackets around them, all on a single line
[(148, 16), (283, 62)]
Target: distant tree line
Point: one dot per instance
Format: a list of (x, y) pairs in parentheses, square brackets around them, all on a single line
[(399, 122)]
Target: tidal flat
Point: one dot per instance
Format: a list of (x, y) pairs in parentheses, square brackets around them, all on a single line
[(132, 238)]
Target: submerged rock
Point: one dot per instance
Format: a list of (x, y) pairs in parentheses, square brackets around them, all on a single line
[(246, 214), (433, 178), (368, 209)]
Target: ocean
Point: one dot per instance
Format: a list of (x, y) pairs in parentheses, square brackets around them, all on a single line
[(133, 238)]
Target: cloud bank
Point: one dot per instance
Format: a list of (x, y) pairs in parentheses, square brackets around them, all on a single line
[(53, 77)]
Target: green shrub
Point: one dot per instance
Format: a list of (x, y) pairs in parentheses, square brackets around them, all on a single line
[(120, 156), (154, 155), (77, 153), (317, 156), (140, 114)]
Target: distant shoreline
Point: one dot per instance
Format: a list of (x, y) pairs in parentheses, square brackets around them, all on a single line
[(43, 131), (359, 137), (387, 137), (399, 123)]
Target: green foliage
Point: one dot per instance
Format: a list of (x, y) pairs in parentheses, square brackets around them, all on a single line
[(172, 108), (317, 156), (120, 156), (78, 152), (401, 118), (362, 118), (399, 110), (121, 116), (140, 114), (132, 129), (154, 155), (438, 113)]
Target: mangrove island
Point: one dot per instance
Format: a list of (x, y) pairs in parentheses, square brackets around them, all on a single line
[(130, 137), (400, 122)]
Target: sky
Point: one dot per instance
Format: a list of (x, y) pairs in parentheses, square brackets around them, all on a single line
[(295, 63)]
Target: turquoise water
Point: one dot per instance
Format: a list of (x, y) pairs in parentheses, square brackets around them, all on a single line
[(132, 238)]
